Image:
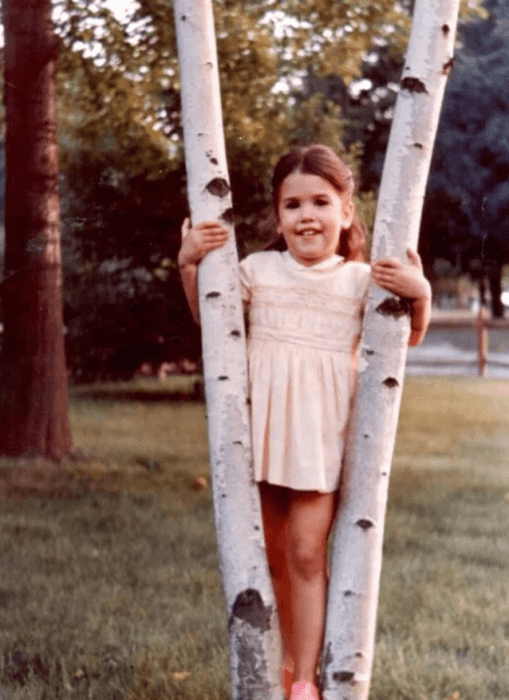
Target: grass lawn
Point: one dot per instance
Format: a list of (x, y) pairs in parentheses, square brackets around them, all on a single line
[(108, 581)]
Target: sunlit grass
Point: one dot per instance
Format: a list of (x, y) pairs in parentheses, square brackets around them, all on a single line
[(108, 580), (443, 631)]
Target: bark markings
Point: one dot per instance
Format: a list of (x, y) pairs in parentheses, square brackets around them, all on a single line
[(357, 553), (413, 85), (394, 306), (249, 606), (249, 601), (218, 187)]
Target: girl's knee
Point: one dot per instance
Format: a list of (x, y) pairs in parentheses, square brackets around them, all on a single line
[(307, 559)]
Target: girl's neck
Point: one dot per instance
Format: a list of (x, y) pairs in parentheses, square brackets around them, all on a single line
[(329, 259)]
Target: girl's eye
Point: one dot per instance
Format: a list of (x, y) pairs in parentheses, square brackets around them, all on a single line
[(292, 204), (321, 202)]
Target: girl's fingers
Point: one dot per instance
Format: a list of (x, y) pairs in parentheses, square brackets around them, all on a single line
[(388, 277), (219, 239), (186, 227), (414, 257), (200, 239), (380, 273), (214, 232), (387, 263), (215, 242), (214, 237), (203, 228), (207, 225), (394, 263)]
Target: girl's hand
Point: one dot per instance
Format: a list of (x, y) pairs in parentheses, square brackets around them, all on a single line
[(404, 280), (199, 240)]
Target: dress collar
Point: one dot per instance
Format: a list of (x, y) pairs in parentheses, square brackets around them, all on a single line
[(327, 264)]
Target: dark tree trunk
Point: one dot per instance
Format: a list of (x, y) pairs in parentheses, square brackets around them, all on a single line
[(33, 378), (495, 279), (482, 291)]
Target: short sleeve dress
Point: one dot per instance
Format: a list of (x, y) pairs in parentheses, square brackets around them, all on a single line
[(304, 328)]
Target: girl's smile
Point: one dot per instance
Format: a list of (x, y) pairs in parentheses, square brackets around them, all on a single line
[(311, 216)]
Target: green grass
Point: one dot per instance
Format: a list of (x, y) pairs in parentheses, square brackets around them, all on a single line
[(108, 581), (443, 627)]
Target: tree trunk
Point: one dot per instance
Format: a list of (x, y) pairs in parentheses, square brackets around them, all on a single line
[(33, 381), (358, 534), (482, 290), (250, 606), (495, 280)]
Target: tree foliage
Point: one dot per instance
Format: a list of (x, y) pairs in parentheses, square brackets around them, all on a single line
[(121, 150), (471, 170)]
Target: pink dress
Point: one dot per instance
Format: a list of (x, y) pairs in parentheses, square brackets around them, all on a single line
[(304, 327)]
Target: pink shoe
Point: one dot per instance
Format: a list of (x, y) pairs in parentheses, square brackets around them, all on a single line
[(302, 690)]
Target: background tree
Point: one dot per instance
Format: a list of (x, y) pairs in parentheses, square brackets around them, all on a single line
[(471, 164), (33, 379), (119, 257), (288, 76)]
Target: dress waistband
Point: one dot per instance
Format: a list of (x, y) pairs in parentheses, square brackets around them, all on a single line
[(318, 342)]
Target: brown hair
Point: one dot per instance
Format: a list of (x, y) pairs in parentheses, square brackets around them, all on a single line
[(324, 162)]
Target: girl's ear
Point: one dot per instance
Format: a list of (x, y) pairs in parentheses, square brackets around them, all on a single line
[(348, 214)]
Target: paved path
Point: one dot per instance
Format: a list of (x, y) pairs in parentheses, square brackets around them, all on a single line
[(450, 350)]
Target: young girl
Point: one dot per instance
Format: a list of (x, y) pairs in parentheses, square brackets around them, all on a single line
[(305, 305)]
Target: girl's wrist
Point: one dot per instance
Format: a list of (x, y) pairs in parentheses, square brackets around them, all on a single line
[(181, 264), (421, 309), (425, 297)]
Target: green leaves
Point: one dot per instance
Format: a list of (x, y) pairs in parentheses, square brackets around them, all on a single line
[(119, 84), (121, 150)]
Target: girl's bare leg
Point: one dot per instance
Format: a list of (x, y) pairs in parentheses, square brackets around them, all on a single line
[(310, 518), (275, 501)]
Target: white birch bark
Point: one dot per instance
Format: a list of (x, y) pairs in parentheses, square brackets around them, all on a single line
[(250, 605), (358, 533)]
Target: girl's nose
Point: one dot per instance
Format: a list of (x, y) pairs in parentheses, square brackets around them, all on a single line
[(306, 213)]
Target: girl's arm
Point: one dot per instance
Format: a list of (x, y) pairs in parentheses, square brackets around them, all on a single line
[(407, 281), (197, 241)]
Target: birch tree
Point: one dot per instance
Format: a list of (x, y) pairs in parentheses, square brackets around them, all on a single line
[(33, 380), (358, 534), (250, 604)]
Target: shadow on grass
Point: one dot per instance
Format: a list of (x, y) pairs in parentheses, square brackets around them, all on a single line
[(122, 393), (80, 474)]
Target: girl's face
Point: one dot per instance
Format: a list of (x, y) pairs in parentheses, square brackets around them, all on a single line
[(311, 215)]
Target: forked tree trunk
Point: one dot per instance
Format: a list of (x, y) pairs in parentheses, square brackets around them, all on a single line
[(358, 534), (33, 380), (250, 606)]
